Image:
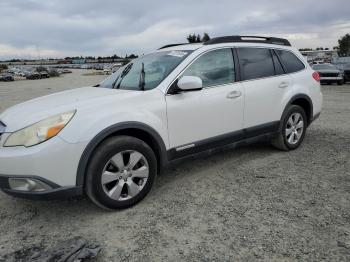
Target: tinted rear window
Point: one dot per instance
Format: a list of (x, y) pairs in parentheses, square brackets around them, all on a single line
[(256, 63), (289, 61)]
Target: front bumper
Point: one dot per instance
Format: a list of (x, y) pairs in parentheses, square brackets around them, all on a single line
[(330, 79), (54, 160), (53, 192)]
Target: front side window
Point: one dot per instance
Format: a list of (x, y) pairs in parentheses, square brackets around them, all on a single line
[(256, 63), (146, 72), (290, 62), (214, 68)]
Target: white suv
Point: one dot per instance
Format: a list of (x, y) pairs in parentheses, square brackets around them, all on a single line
[(110, 141)]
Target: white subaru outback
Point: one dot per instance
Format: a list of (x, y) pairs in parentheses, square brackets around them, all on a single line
[(110, 141)]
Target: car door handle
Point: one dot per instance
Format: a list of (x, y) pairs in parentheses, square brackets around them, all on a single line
[(234, 94), (283, 85)]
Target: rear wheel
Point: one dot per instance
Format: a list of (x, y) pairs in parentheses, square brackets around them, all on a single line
[(293, 129), (121, 172)]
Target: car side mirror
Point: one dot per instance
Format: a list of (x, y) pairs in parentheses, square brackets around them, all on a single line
[(190, 83)]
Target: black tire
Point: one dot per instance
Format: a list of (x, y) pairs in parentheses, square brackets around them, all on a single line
[(280, 141), (340, 82), (102, 155)]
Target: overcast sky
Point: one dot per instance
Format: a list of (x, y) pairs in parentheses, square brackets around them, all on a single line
[(59, 28)]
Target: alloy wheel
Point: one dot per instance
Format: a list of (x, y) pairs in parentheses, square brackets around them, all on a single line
[(125, 175), (294, 128)]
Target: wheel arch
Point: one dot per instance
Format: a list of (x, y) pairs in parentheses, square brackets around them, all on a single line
[(303, 101), (134, 129)]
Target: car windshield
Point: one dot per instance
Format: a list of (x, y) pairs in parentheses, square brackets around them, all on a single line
[(146, 72), (324, 66)]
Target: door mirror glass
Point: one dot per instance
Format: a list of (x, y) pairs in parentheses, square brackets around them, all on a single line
[(187, 83)]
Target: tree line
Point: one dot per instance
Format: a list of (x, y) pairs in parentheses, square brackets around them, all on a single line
[(131, 56), (343, 47), (193, 38)]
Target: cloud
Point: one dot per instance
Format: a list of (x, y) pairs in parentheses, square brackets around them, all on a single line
[(160, 33), (90, 27), (29, 51)]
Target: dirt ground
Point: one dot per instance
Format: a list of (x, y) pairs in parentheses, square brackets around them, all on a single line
[(248, 203)]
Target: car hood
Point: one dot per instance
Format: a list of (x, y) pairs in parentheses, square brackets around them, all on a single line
[(32, 111)]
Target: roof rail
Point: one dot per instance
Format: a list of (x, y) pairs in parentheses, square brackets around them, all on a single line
[(166, 46), (248, 39)]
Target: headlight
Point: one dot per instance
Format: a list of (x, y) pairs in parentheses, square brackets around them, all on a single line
[(39, 132)]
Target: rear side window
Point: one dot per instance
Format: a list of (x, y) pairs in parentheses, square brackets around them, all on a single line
[(289, 61), (256, 63), (214, 68)]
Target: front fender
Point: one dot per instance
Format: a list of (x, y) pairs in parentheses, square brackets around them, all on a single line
[(148, 108), (83, 163)]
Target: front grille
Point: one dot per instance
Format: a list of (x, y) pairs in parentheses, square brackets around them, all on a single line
[(329, 74)]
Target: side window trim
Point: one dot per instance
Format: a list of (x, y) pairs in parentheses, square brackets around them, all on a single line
[(279, 59), (238, 71), (273, 62), (274, 54)]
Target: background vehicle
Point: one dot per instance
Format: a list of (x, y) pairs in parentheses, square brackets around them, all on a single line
[(44, 74), (346, 73), (111, 141), (329, 73), (7, 78), (33, 76)]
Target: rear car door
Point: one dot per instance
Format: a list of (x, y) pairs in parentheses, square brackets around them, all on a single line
[(266, 86), (197, 117)]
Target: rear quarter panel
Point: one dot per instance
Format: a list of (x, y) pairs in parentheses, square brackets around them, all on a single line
[(305, 84)]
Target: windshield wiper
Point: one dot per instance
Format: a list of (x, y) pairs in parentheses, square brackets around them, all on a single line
[(122, 75), (142, 78)]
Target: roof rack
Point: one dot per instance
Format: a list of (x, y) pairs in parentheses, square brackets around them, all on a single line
[(248, 39), (166, 46)]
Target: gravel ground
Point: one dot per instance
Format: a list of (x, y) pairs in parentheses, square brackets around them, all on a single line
[(248, 203)]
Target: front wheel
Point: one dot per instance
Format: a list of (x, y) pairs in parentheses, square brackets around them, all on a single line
[(293, 129), (121, 172)]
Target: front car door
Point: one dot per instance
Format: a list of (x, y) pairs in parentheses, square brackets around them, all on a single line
[(200, 118)]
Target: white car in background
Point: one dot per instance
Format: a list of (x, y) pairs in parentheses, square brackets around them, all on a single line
[(110, 141)]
